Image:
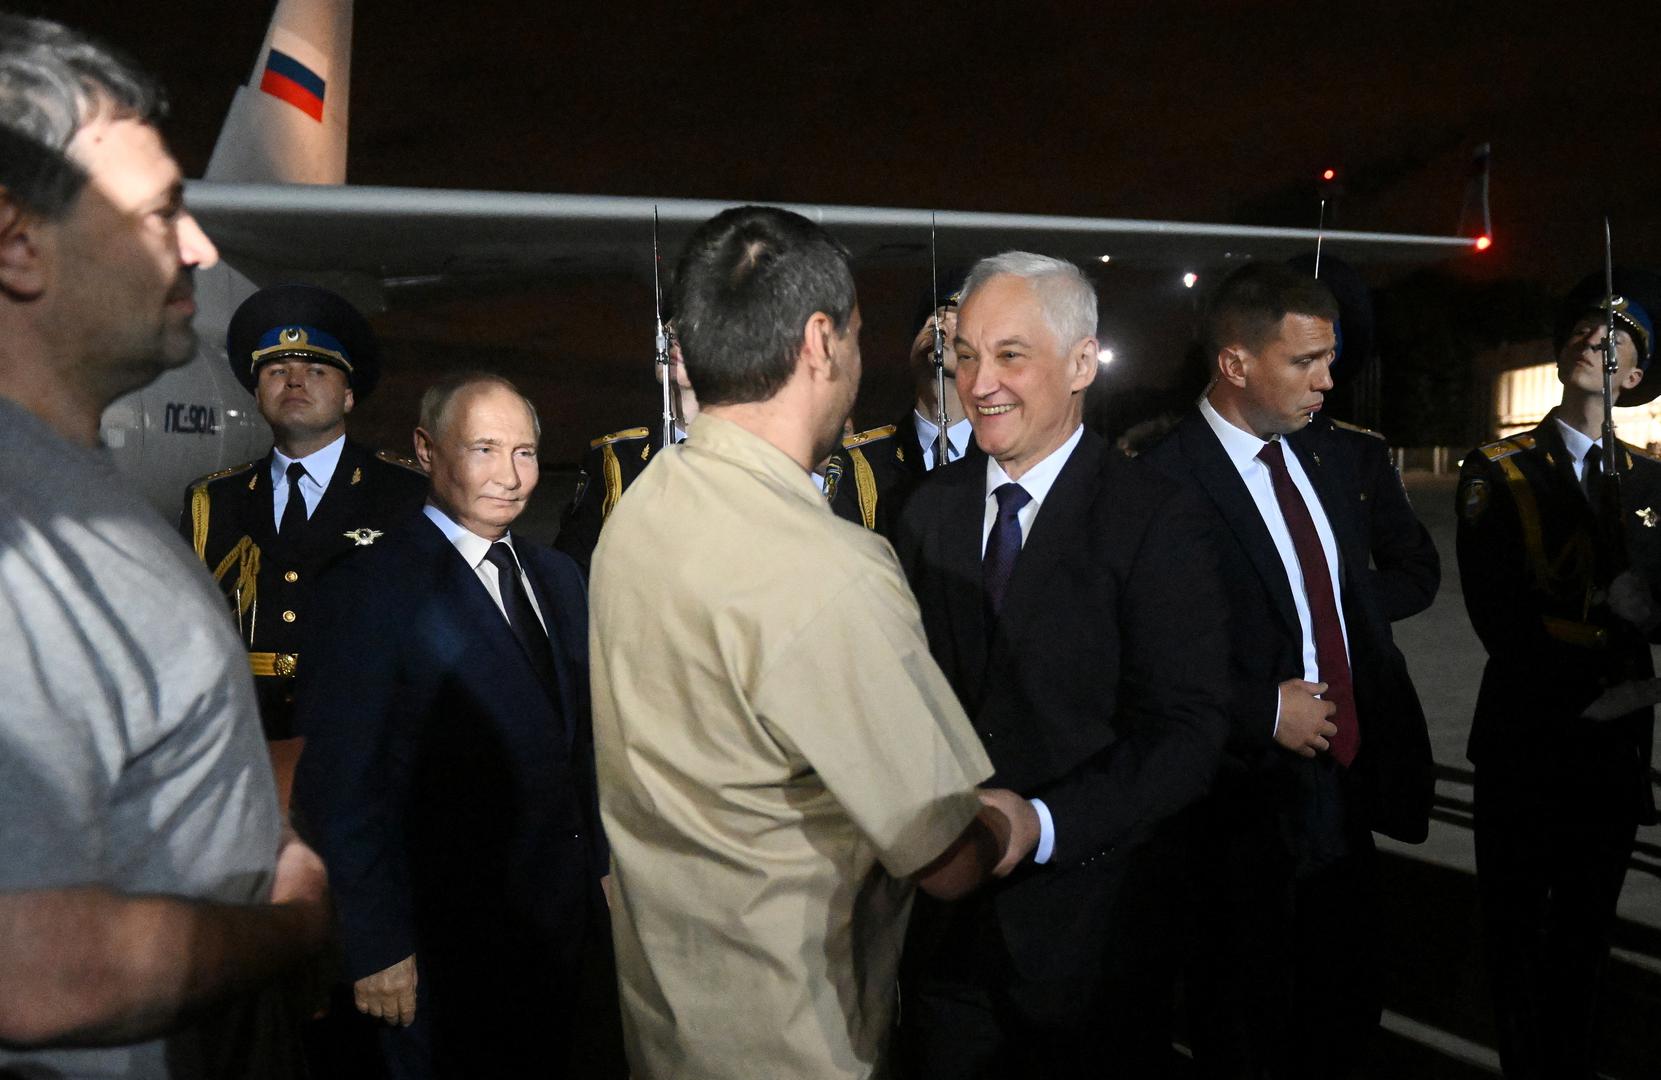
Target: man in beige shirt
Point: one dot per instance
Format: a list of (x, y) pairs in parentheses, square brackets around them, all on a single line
[(780, 761)]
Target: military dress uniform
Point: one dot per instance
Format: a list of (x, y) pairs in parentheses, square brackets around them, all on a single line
[(1558, 796), (232, 528), (860, 473)]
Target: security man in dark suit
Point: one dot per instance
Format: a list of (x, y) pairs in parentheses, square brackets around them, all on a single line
[(1070, 596), (1560, 741), (267, 528), (1328, 741), (854, 478)]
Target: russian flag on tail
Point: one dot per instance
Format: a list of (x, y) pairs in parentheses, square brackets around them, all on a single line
[(293, 82)]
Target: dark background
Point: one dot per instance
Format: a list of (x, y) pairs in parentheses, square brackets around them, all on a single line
[(1220, 112)]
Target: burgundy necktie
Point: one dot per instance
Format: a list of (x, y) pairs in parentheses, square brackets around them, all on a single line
[(1323, 608)]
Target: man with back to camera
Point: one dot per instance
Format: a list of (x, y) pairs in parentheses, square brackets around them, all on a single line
[(448, 767), (1328, 741), (145, 874), (1070, 596), (268, 528), (1560, 742), (780, 761)]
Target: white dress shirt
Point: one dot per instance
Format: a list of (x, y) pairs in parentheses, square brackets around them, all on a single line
[(1037, 481), (320, 469), (474, 548), (1578, 445), (1242, 448), (957, 437)]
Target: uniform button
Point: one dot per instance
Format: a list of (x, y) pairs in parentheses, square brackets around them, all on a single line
[(292, 576), (288, 616)]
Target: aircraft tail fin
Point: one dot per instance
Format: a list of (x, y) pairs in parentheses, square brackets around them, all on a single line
[(289, 123)]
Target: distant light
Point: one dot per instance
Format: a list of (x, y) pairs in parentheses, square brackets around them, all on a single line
[(1330, 174), (1190, 279), (1483, 243), (1107, 258), (1104, 357)]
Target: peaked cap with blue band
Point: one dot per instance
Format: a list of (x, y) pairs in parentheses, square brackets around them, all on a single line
[(1637, 301), (302, 322)]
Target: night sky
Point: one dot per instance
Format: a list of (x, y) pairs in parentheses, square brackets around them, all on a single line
[(1210, 112)]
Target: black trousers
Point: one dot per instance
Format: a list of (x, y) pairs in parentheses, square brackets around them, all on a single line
[(1550, 859), (1283, 980)]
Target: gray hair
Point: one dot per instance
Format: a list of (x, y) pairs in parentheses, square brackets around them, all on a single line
[(436, 401), (53, 82), (1065, 294)]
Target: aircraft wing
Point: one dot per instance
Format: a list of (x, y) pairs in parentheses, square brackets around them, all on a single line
[(424, 235)]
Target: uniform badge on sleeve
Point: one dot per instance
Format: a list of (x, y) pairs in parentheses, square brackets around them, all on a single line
[(363, 537), (1647, 516), (1473, 501)]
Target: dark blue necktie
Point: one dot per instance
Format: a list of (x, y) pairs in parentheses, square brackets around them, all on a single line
[(516, 604), (1003, 544)]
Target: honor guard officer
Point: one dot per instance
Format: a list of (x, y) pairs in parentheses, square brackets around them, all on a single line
[(1560, 741), (267, 528), (853, 478), (919, 428)]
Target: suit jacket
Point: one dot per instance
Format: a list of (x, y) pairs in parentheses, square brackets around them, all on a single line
[(1100, 689), (1406, 569), (1389, 785), (267, 580), (449, 789), (1533, 558)]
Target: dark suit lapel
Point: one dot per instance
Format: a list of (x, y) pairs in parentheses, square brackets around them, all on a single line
[(330, 521), (473, 606), (960, 559), (1221, 481), (1055, 532), (258, 515), (1353, 550), (565, 657)]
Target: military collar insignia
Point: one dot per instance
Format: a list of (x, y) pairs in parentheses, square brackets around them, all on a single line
[(363, 537), (1647, 516)]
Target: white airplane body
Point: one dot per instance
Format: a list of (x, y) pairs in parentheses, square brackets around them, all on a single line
[(274, 201)]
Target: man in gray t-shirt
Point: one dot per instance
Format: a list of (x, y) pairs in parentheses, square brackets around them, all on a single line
[(146, 886)]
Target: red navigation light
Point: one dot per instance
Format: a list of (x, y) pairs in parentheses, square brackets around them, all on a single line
[(1483, 243), (1330, 174)]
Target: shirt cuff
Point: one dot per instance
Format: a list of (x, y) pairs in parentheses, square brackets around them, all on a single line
[(1276, 729), (1046, 833)]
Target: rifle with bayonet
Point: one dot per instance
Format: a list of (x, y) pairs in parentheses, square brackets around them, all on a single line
[(942, 419)]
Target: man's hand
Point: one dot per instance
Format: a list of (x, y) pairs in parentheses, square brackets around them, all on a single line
[(1015, 824), (1304, 724), (389, 994), (1631, 600), (302, 883)]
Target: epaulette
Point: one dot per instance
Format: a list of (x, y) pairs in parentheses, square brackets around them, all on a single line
[(398, 459), (1358, 429), (619, 436), (1516, 444), (1643, 452), (860, 438), (204, 481)]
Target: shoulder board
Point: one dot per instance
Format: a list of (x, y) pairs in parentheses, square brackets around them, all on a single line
[(1643, 452), (619, 436), (860, 438), (398, 459), (1494, 451), (1358, 429), (204, 481)]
